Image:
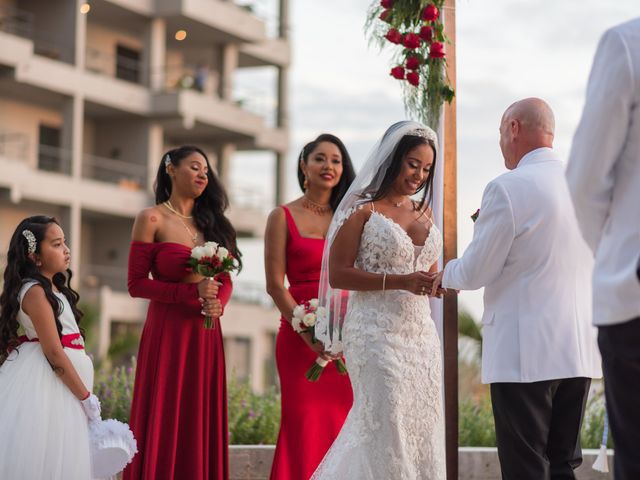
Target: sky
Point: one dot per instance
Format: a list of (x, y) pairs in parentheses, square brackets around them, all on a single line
[(506, 50)]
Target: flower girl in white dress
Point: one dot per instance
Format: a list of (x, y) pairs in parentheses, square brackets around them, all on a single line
[(45, 375)]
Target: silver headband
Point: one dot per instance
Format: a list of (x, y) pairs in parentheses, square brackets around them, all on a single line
[(31, 240), (424, 133)]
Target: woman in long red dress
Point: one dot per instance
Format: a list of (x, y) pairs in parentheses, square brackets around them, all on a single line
[(179, 409), (294, 241)]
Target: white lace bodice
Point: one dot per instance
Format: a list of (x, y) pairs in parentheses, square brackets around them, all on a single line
[(386, 248), (395, 429)]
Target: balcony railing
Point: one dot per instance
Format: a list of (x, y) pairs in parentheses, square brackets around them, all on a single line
[(21, 23), (265, 10), (111, 64), (249, 198), (200, 78), (16, 21), (14, 145), (251, 293), (127, 175), (54, 159), (95, 276)]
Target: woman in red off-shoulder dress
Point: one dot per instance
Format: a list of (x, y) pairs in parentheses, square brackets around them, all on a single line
[(294, 241), (179, 409)]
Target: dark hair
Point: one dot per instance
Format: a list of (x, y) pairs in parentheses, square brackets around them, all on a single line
[(20, 269), (404, 146), (208, 209), (348, 173)]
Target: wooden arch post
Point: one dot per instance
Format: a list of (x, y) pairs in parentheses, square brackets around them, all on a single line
[(450, 308)]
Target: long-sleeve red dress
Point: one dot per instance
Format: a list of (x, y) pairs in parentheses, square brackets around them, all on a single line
[(312, 413), (179, 408)]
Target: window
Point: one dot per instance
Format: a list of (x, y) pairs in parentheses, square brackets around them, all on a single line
[(127, 64), (49, 153)]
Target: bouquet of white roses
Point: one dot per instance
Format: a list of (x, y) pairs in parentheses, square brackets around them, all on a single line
[(211, 260), (304, 319)]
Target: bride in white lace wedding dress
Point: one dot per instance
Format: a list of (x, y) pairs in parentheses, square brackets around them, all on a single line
[(381, 251)]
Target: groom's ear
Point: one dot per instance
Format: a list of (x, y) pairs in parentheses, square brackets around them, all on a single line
[(514, 127)]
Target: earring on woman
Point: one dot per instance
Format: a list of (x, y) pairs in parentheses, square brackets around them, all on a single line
[(305, 184)]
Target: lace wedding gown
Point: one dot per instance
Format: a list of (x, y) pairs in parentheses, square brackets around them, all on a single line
[(395, 429)]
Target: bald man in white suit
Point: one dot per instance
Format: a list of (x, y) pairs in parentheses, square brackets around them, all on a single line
[(539, 349), (604, 180)]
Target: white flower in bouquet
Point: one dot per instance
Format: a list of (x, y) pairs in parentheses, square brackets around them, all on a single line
[(210, 248), (309, 319), (313, 303), (222, 253), (198, 252), (298, 312)]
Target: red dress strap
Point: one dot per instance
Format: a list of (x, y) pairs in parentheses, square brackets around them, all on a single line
[(291, 224)]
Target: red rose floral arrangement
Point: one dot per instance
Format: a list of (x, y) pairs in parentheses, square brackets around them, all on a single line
[(416, 30)]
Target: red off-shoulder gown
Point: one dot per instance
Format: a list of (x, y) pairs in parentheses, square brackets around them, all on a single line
[(179, 408), (312, 413)]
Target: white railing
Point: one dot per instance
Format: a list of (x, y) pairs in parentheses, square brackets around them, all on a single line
[(100, 61), (20, 22), (54, 159), (264, 10), (249, 198), (126, 174), (16, 21), (252, 293), (14, 145), (95, 276)]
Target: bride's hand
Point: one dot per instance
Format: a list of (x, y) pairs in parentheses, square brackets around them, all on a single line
[(317, 346), (419, 283)]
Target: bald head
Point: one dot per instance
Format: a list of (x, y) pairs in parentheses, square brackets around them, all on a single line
[(534, 114), (526, 125)]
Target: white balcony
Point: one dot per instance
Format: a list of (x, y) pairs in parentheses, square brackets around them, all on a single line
[(273, 51), (215, 20), (46, 178)]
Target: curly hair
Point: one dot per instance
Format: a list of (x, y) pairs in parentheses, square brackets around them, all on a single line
[(20, 269)]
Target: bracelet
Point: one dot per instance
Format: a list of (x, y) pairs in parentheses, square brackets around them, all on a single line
[(384, 281), (86, 396)]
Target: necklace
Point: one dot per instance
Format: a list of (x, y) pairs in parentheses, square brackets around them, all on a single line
[(170, 207), (193, 236), (398, 204), (314, 207)]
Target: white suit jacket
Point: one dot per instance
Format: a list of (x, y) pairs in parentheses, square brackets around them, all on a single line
[(604, 174), (528, 253)]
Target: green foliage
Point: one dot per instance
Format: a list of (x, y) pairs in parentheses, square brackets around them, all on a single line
[(468, 327), (593, 424), (114, 388), (254, 419), (476, 427), (89, 324)]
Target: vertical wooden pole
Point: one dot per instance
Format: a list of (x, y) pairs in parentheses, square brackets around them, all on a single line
[(450, 327)]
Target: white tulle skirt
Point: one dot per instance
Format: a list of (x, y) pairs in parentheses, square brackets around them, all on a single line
[(43, 430)]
